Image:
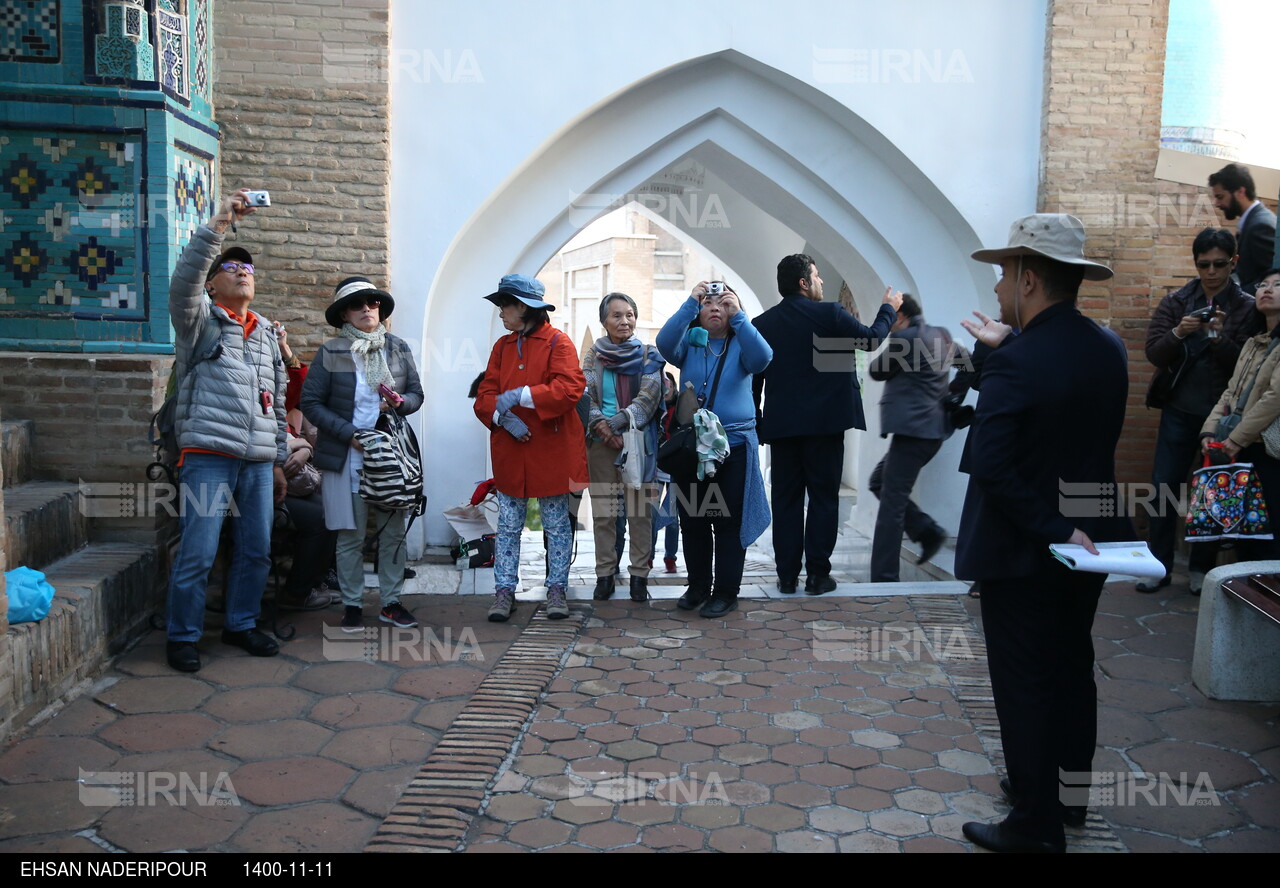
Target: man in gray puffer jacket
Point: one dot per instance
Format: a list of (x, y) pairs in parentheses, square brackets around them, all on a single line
[(230, 422)]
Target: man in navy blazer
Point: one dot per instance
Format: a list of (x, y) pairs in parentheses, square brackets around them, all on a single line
[(811, 397), (1047, 423), (1235, 197)]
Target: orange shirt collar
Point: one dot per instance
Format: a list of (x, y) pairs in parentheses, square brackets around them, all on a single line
[(248, 321)]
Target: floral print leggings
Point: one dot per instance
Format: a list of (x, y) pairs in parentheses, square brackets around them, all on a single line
[(555, 520)]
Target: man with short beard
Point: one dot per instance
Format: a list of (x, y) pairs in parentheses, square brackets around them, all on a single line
[(1234, 196)]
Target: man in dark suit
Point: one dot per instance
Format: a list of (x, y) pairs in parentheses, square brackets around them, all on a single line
[(915, 366), (811, 397), (1050, 412), (1234, 196)]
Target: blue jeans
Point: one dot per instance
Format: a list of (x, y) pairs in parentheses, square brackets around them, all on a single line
[(1177, 453), (210, 488)]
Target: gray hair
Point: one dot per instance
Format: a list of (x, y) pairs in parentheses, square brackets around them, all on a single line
[(604, 305)]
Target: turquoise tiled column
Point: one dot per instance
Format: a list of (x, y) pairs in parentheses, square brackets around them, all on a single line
[(107, 164)]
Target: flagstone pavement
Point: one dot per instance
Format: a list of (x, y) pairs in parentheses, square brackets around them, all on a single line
[(846, 722)]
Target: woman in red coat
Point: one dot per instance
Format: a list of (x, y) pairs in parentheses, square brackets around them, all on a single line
[(527, 400)]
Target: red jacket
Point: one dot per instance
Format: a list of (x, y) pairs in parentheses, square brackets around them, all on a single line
[(554, 461)]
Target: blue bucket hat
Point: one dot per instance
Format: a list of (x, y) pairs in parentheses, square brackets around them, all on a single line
[(522, 287)]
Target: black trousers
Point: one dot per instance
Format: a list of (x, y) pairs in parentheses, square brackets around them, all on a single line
[(805, 464), (1040, 655), (892, 481), (711, 524), (313, 545)]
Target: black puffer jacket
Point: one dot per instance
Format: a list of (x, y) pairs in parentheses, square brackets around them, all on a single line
[(1168, 353), (329, 395)]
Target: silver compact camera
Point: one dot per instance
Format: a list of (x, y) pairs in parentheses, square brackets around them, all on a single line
[(715, 288), (258, 198)]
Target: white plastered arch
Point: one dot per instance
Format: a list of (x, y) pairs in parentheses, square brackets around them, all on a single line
[(796, 154)]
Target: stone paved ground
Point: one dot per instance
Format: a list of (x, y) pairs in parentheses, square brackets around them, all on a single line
[(818, 724), (657, 731), (318, 750)]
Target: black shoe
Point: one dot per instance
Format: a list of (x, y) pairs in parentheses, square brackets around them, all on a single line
[(604, 589), (718, 607), (639, 588), (183, 656), (930, 542), (256, 642), (1153, 585), (693, 598), (996, 837), (819, 585), (787, 588), (1070, 816)]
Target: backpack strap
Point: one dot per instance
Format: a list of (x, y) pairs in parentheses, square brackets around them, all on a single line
[(205, 348)]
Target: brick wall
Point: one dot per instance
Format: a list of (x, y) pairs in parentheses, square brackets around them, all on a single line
[(91, 412), (301, 96), (1104, 78)]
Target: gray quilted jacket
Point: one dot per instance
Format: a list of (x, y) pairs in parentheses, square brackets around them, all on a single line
[(220, 399), (329, 395)]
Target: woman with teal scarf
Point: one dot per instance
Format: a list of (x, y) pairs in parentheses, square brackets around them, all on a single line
[(624, 387)]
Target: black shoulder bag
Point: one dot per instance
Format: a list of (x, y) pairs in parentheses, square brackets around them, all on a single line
[(678, 455)]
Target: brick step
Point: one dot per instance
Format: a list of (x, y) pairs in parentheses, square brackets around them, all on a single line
[(43, 522), (16, 460), (103, 593)]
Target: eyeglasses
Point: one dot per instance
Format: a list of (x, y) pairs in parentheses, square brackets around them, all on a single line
[(369, 301), (1205, 264), (234, 267)]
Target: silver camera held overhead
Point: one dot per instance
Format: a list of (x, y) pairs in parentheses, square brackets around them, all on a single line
[(258, 198)]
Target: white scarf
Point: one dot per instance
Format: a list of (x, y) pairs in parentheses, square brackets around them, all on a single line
[(369, 346)]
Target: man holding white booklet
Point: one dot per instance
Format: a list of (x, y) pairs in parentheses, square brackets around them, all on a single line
[(1049, 415)]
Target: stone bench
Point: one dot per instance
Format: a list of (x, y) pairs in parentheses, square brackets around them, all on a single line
[(1237, 652)]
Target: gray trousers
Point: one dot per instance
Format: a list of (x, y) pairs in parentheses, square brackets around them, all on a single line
[(392, 553), (892, 481)]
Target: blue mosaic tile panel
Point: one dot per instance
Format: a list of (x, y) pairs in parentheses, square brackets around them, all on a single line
[(172, 32), (29, 31), (70, 233), (201, 51), (192, 188), (124, 50)]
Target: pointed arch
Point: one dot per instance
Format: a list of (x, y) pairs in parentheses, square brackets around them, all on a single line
[(802, 170)]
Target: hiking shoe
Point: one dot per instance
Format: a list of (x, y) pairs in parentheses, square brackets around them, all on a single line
[(397, 616), (255, 641), (352, 619), (557, 607), (335, 597), (504, 601), (315, 600)]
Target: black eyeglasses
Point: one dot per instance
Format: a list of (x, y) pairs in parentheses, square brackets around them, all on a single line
[(370, 301), (233, 267), (1205, 264)]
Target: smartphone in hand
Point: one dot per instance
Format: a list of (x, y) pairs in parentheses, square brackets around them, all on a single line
[(389, 395)]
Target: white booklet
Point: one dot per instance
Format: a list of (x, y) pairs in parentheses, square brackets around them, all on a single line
[(1126, 559)]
